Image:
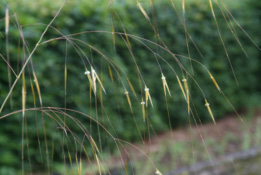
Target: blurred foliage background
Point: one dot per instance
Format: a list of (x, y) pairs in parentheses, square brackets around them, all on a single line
[(79, 16)]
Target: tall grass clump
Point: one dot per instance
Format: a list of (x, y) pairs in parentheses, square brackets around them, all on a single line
[(82, 80)]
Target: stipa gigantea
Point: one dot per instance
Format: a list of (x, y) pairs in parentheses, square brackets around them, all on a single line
[(143, 109), (221, 39), (94, 77), (113, 36), (89, 77), (214, 81), (110, 73), (79, 166), (128, 98), (210, 112), (143, 11), (6, 21), (181, 87), (95, 146), (187, 91), (37, 88), (41, 103), (23, 94), (132, 88), (70, 158), (98, 163), (147, 96), (165, 85), (158, 172)]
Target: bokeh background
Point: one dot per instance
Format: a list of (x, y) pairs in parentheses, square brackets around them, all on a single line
[(78, 16)]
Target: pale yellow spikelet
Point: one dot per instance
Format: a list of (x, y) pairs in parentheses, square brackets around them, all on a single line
[(165, 84), (172, 3), (6, 21), (97, 77), (187, 91), (214, 81), (143, 109), (93, 75), (110, 73), (87, 72), (210, 112), (70, 158), (128, 98), (77, 165), (37, 88), (94, 143), (98, 163), (80, 166), (211, 7), (183, 6), (132, 88), (181, 87), (147, 96), (127, 38), (85, 152), (158, 172), (143, 11), (23, 94)]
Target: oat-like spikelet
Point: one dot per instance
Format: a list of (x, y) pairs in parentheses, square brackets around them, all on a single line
[(143, 109), (110, 73), (165, 84), (70, 158), (214, 81), (143, 11), (158, 172), (37, 88), (95, 76), (80, 171), (6, 21), (210, 112), (93, 80), (98, 163), (95, 145), (128, 98), (23, 94), (132, 88), (89, 77), (181, 87), (187, 91), (147, 96)]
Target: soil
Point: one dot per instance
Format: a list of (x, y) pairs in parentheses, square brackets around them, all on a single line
[(231, 124)]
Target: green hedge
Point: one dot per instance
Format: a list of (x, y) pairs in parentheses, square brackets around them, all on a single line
[(49, 61)]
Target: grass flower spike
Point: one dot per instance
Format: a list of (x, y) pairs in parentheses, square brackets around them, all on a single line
[(165, 84), (143, 109), (147, 96), (128, 98), (187, 91), (209, 110)]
